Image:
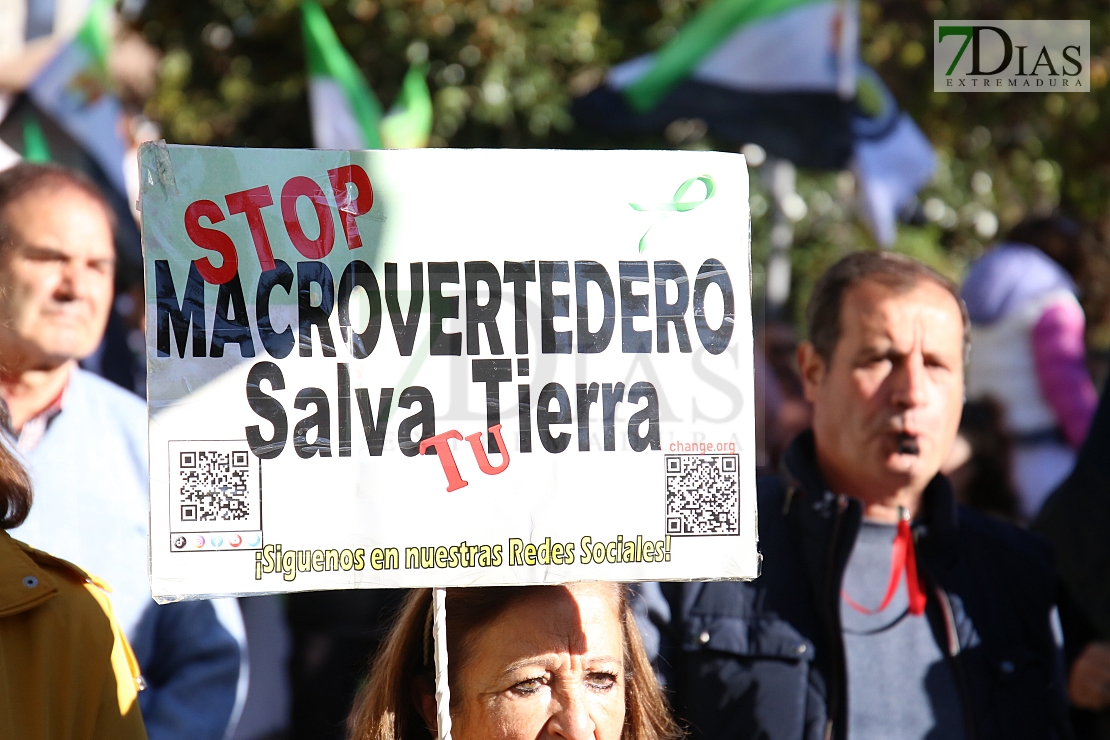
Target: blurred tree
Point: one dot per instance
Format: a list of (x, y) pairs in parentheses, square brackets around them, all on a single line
[(502, 73)]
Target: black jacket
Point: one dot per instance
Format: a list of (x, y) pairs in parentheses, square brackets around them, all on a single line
[(765, 659), (1076, 518)]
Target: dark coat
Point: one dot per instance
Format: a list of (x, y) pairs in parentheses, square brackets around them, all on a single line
[(1076, 518), (765, 659)]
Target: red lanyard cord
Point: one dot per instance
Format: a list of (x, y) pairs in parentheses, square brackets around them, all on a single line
[(902, 558)]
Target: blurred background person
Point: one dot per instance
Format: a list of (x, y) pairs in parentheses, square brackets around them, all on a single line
[(781, 408), (524, 662), (268, 701), (84, 440), (978, 467), (335, 634), (66, 670), (1077, 520), (1029, 352)]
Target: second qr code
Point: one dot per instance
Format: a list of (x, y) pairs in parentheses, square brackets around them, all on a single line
[(703, 494)]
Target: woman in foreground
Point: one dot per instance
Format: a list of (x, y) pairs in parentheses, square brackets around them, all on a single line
[(524, 663), (66, 670)]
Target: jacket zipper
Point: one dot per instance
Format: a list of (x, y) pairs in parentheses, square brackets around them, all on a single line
[(954, 659), (832, 622)]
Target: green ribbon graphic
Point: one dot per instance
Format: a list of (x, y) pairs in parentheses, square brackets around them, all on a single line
[(676, 204)]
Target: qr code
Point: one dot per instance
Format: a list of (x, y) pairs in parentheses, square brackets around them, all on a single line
[(703, 494), (214, 486), (215, 492)]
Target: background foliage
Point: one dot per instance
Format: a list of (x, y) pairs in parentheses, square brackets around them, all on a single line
[(503, 72)]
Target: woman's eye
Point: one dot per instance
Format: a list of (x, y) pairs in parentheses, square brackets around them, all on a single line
[(528, 686), (602, 681)]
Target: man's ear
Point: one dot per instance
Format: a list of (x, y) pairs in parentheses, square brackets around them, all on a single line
[(811, 366), (424, 699)]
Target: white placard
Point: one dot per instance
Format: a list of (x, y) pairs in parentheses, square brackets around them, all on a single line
[(570, 332)]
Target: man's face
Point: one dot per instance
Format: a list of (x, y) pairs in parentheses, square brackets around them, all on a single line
[(56, 270), (887, 406)]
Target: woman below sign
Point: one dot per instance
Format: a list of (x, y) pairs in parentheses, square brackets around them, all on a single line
[(524, 663)]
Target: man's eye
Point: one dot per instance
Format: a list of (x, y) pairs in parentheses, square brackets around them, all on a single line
[(602, 681), (528, 686)]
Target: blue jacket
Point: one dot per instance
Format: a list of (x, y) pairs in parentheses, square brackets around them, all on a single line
[(765, 659), (190, 663)]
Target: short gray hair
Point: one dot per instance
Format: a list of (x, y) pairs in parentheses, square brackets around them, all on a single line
[(895, 271)]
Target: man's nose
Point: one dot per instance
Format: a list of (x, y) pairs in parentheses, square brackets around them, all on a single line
[(911, 383), (74, 281), (571, 719)]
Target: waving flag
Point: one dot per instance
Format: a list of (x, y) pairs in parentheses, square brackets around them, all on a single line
[(35, 147), (892, 159), (74, 90), (778, 73), (345, 112), (409, 122), (781, 74)]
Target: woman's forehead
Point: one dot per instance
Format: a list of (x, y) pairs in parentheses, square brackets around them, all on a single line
[(574, 618)]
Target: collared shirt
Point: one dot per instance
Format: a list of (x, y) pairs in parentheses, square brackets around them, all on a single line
[(34, 429)]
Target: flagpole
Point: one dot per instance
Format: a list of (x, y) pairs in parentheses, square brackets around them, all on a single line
[(443, 690), (847, 49), (780, 177)]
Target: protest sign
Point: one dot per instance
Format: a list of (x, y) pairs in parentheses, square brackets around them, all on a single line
[(446, 368)]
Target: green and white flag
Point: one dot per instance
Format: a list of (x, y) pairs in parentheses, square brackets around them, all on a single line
[(345, 112), (35, 147), (75, 90), (752, 45), (778, 73), (409, 122)]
